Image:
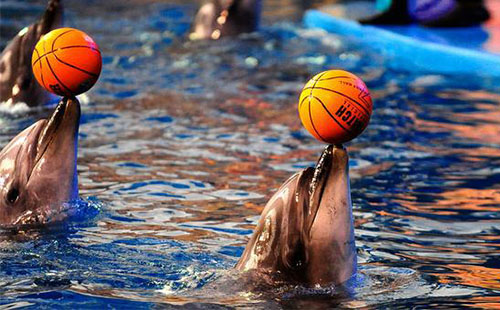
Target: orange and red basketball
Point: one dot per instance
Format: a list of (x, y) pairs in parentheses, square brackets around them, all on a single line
[(335, 106), (66, 62)]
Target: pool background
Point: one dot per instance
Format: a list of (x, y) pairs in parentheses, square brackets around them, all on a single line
[(182, 143)]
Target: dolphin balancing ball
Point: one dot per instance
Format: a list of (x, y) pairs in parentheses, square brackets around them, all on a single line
[(66, 62), (335, 106)]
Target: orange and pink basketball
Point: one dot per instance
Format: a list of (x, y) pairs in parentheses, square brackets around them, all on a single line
[(335, 106), (66, 62)]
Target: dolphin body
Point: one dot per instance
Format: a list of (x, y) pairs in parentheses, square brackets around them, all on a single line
[(219, 18), (17, 83), (305, 233), (38, 168)]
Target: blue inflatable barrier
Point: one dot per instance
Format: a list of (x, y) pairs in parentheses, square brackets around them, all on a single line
[(414, 48)]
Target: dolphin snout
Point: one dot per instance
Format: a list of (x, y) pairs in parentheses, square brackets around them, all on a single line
[(61, 127), (339, 154), (52, 16)]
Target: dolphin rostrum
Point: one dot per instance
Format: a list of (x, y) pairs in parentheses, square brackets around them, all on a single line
[(38, 168), (17, 83), (305, 233), (218, 18)]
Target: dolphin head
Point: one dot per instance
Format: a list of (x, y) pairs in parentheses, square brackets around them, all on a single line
[(328, 239), (17, 83), (219, 18), (38, 167), (306, 232)]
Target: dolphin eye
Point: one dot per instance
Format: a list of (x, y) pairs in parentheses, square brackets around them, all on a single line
[(12, 195)]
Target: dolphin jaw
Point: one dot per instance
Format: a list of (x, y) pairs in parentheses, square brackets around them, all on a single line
[(319, 171), (49, 131), (64, 122), (331, 231), (317, 185)]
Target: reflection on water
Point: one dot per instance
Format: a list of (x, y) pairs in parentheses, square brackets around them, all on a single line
[(181, 143)]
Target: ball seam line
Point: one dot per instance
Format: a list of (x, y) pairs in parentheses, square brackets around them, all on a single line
[(41, 68), (32, 69), (75, 67), (311, 95), (333, 78), (57, 78), (339, 93), (312, 123), (66, 47), (328, 111), (312, 88), (301, 102), (60, 35)]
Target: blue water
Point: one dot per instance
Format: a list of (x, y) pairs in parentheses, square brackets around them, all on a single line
[(182, 143)]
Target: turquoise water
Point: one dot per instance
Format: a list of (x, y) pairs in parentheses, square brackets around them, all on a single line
[(182, 143)]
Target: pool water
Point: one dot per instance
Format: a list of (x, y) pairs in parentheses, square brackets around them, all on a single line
[(182, 143)]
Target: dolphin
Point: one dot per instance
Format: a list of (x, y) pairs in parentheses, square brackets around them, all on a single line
[(305, 233), (219, 18), (38, 168), (17, 83)]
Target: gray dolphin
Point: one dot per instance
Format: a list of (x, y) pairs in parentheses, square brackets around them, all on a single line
[(218, 18), (305, 233), (17, 83), (38, 168)]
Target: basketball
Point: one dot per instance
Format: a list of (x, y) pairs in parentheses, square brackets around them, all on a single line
[(66, 62), (335, 106)]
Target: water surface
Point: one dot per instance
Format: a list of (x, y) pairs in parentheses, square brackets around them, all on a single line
[(182, 143)]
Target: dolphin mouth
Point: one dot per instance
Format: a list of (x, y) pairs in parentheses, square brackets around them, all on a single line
[(321, 172), (47, 134), (318, 183), (65, 118), (332, 162)]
